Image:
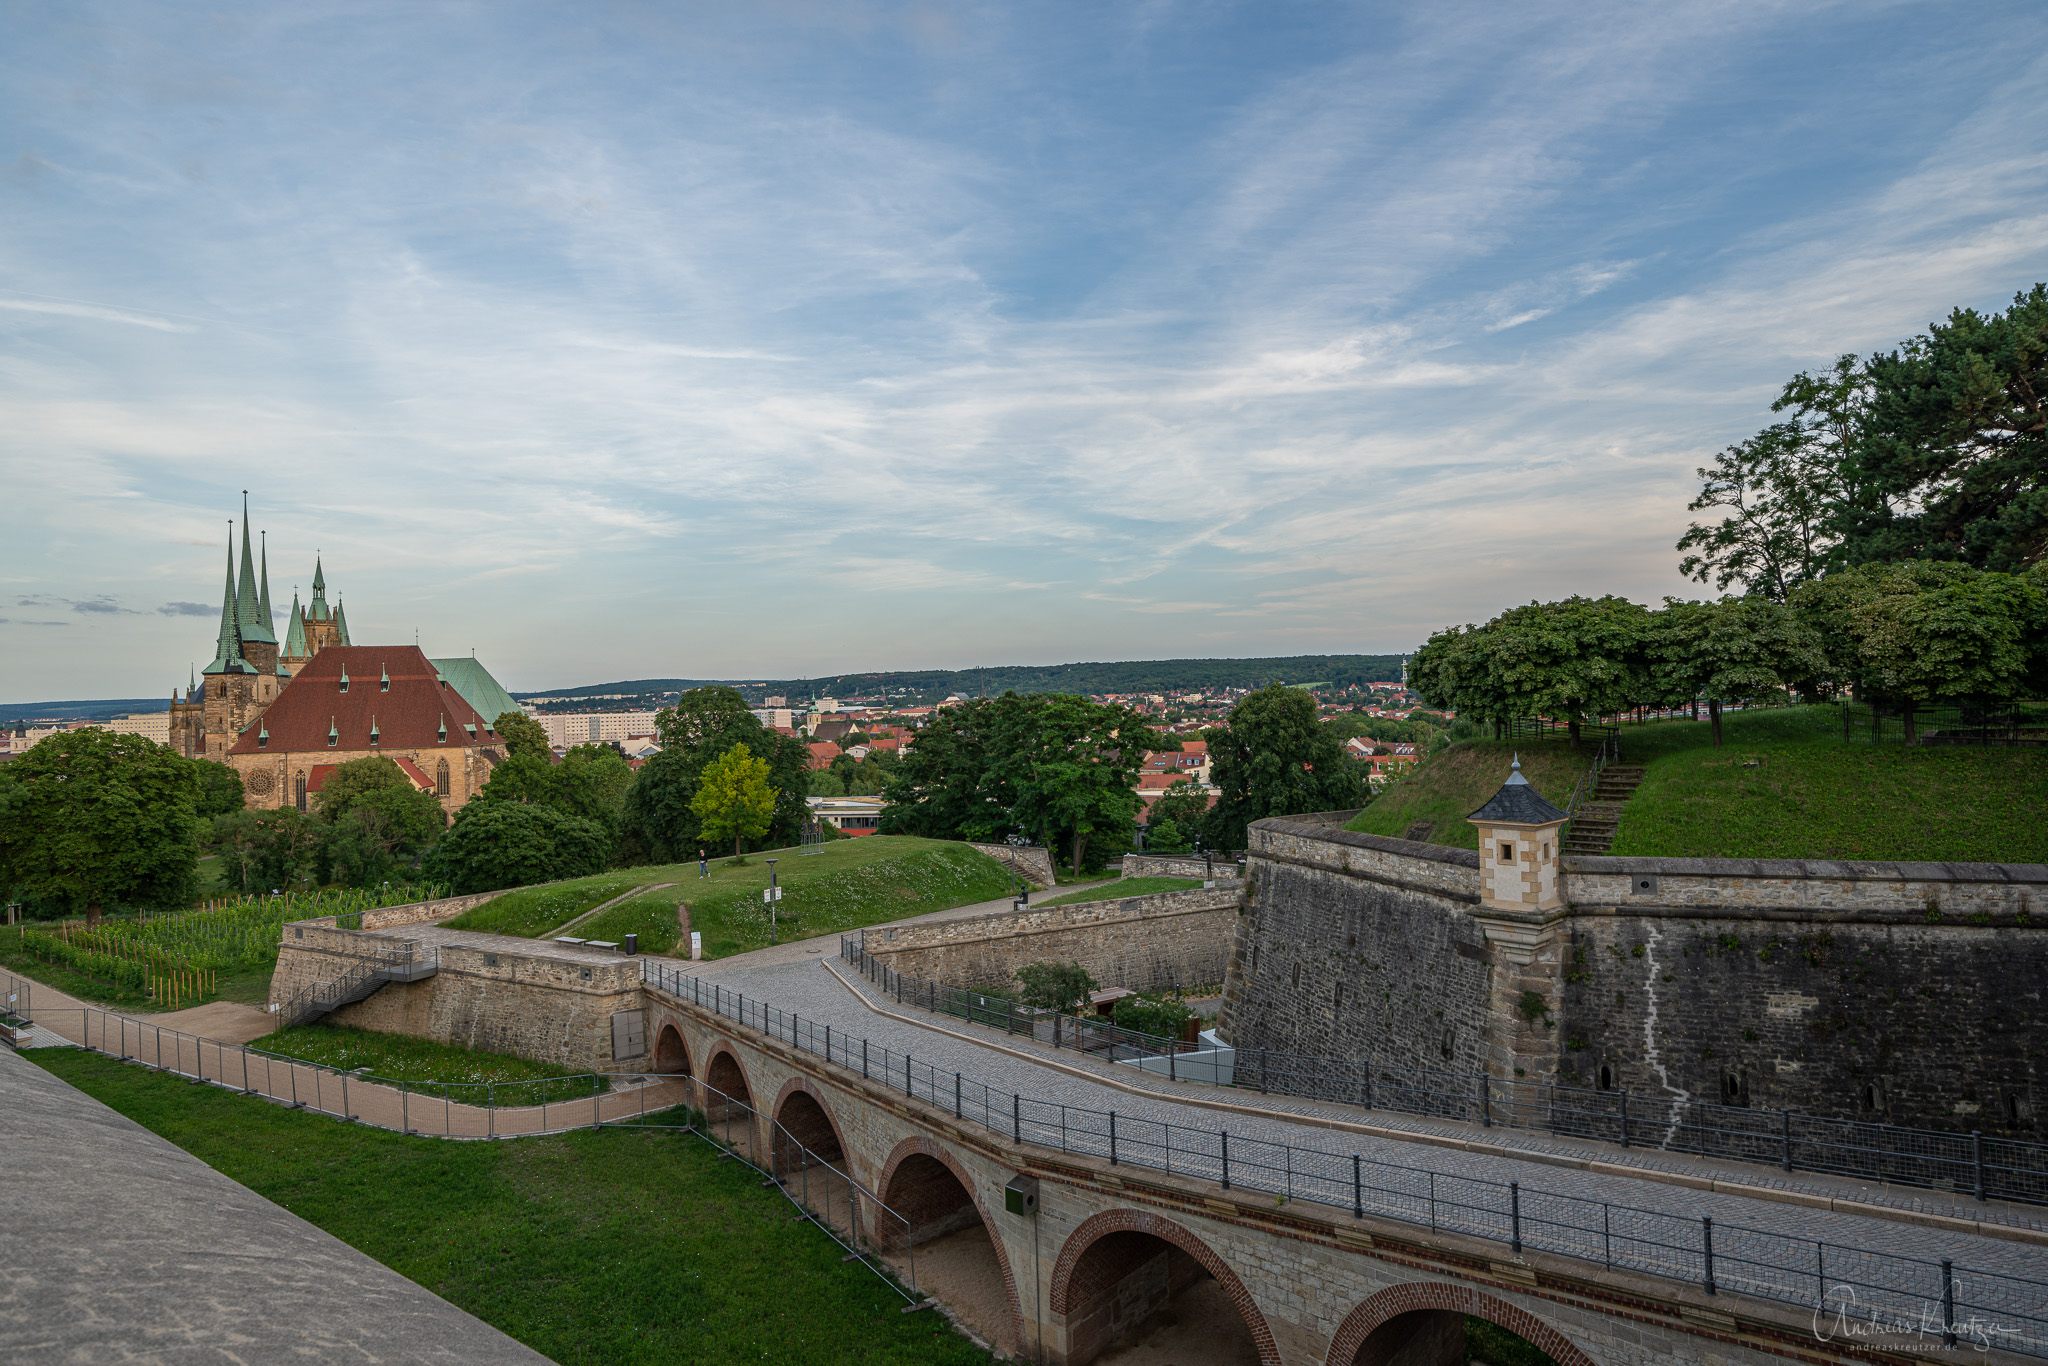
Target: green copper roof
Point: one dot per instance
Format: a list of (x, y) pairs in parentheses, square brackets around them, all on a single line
[(475, 685), (263, 596), (340, 625), (227, 654), (295, 634), (252, 627), (318, 606)]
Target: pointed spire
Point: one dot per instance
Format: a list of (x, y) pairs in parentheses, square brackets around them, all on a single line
[(227, 653), (340, 623), (252, 628), (319, 605), (295, 634), (263, 598)]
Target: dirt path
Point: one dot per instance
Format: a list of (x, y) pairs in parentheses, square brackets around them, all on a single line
[(564, 929), (228, 1021)]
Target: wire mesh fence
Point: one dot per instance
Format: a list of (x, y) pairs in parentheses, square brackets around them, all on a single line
[(1876, 722), (1861, 1286)]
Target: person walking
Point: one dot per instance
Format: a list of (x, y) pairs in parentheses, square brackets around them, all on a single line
[(703, 865)]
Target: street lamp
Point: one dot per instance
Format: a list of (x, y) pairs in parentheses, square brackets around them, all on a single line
[(772, 895), (1020, 891)]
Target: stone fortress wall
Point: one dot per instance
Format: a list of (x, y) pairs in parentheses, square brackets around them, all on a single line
[(1908, 993), (1147, 943)]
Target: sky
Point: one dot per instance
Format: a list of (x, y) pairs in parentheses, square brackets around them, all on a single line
[(617, 341)]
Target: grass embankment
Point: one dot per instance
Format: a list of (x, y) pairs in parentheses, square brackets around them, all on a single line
[(1782, 785), (1450, 785), (622, 1247), (848, 884), (534, 911), (402, 1057), (1130, 886)]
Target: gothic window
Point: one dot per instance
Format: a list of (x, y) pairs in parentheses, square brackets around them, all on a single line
[(302, 792), (441, 779)]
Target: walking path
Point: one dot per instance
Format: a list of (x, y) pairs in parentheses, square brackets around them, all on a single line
[(123, 1247), (819, 995)]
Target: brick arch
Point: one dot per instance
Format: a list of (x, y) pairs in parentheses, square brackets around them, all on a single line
[(1097, 1226), (938, 1152), (804, 1084), (1443, 1296), (722, 1047)]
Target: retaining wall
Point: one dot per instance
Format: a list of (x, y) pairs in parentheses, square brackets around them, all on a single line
[(1142, 942), (1033, 862)]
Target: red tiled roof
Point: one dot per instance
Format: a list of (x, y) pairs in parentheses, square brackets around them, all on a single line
[(419, 779), (408, 716), (821, 755), (317, 776)]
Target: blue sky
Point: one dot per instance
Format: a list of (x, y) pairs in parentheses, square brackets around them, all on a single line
[(708, 340)]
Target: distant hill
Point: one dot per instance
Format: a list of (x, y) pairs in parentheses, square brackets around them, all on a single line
[(930, 685), (90, 709)]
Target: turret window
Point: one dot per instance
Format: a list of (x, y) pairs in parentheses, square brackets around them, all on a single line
[(344, 680), (384, 685), (1507, 853)]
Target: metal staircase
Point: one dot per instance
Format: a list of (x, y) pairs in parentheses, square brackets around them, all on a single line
[(408, 961)]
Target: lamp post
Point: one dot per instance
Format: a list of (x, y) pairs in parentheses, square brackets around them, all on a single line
[(1020, 891), (771, 896)]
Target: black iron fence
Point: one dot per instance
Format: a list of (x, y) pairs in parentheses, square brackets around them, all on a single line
[(1886, 723), (1858, 1286), (1985, 1166), (1099, 1038)]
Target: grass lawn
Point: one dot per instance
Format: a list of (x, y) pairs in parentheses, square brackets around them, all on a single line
[(1448, 786), (627, 1247), (401, 1057), (533, 911), (1782, 785), (850, 883), (1130, 886)]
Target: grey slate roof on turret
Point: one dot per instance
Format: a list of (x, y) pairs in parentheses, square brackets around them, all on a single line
[(1517, 803)]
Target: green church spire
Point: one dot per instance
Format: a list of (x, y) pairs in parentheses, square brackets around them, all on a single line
[(227, 655), (263, 599), (319, 604), (340, 624), (253, 629), (295, 634)]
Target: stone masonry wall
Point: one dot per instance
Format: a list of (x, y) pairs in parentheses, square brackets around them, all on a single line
[(1034, 864), (1143, 942), (1352, 945), (1894, 992), (1907, 993), (1178, 865)]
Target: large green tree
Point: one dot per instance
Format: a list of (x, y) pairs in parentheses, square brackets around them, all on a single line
[(1575, 659), (95, 818), (1273, 759), (945, 787), (514, 844), (523, 736), (1731, 649), (220, 790), (1921, 631), (352, 781), (269, 850), (1070, 767), (366, 844), (658, 821), (734, 800)]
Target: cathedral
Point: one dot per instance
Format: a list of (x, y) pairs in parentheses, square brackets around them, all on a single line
[(286, 717)]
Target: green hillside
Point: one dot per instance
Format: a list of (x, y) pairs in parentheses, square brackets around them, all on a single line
[(845, 885), (1783, 785)]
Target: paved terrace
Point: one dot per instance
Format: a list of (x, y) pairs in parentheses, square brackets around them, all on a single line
[(123, 1247)]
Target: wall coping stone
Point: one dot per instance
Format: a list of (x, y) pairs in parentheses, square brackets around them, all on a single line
[(1434, 853), (1821, 870)]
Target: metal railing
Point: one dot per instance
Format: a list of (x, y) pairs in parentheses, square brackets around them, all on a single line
[(1985, 1167), (1098, 1038), (823, 1189), (2017, 725), (1607, 752), (371, 969), (1857, 1284)]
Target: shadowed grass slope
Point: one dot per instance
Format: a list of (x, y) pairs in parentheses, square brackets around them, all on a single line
[(1130, 886), (1451, 784), (622, 1247)]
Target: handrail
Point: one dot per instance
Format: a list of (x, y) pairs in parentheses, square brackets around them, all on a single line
[(1851, 1283), (369, 965)]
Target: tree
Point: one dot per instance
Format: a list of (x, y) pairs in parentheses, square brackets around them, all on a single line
[(1575, 659), (1161, 1017), (268, 849), (1924, 630), (220, 790), (352, 781), (513, 844), (1055, 986), (523, 736), (734, 798), (1735, 648), (364, 845), (1165, 836), (1954, 446), (704, 725), (589, 783), (96, 818), (1070, 767), (1183, 803), (946, 787), (1273, 759), (826, 783)]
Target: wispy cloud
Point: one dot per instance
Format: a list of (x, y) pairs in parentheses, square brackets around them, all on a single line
[(96, 312)]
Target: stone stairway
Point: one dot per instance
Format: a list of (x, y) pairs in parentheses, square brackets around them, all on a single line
[(1598, 817)]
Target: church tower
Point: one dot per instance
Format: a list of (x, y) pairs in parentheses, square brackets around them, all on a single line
[(312, 629)]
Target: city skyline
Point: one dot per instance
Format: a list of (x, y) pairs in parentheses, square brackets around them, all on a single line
[(803, 340)]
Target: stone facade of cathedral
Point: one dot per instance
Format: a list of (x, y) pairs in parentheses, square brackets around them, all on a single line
[(285, 716)]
